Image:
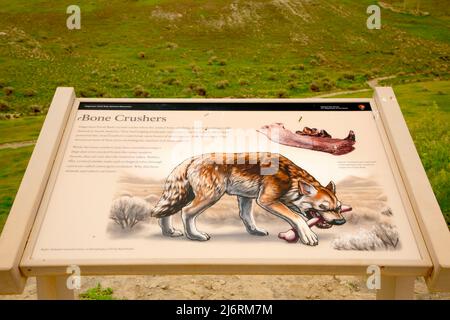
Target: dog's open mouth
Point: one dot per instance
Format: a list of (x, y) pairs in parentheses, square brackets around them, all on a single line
[(322, 224)]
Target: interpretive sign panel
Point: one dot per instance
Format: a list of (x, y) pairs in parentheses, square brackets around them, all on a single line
[(126, 165), (210, 186)]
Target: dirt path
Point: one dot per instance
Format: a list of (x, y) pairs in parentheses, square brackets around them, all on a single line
[(340, 93), (16, 145), (372, 84), (235, 287)]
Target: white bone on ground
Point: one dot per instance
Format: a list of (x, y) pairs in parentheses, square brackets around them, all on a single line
[(291, 235)]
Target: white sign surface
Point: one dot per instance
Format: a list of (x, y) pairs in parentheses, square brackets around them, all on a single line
[(122, 162)]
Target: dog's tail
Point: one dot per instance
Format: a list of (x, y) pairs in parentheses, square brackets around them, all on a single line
[(177, 192)]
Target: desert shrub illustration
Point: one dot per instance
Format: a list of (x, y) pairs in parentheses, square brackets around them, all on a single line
[(128, 211), (382, 236)]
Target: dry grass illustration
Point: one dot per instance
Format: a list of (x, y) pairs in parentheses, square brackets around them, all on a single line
[(382, 236)]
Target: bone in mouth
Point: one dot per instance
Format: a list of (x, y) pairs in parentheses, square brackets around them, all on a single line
[(292, 236), (312, 139)]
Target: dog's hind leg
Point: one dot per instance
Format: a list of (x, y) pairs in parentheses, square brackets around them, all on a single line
[(208, 183), (190, 213), (167, 228), (246, 214)]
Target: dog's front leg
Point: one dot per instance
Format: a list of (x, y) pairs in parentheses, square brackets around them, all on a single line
[(307, 236)]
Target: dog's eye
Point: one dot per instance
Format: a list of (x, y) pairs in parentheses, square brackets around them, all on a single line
[(324, 205)]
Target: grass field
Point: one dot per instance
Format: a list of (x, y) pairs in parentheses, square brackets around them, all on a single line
[(13, 163), (218, 48), (21, 129), (210, 48)]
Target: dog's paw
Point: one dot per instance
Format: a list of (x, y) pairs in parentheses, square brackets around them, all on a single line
[(173, 233), (202, 236), (206, 236), (258, 232), (308, 237)]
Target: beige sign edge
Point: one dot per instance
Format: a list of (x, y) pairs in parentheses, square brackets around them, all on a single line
[(22, 214), (421, 196)]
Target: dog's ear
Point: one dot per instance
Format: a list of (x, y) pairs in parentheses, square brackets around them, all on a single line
[(306, 188), (331, 186)]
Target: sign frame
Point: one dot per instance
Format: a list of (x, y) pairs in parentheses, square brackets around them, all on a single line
[(425, 217)]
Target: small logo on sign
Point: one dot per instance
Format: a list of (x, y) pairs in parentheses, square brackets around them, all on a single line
[(74, 280), (73, 22), (374, 279), (374, 20)]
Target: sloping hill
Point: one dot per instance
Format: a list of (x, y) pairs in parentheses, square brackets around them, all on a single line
[(215, 48)]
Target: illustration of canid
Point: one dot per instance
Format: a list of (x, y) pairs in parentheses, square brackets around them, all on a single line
[(290, 193)]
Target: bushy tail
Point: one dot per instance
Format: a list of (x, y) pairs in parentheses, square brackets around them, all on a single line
[(177, 192)]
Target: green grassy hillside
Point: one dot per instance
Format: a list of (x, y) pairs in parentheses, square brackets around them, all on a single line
[(185, 48)]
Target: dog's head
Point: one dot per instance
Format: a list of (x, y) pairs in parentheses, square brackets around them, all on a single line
[(321, 202)]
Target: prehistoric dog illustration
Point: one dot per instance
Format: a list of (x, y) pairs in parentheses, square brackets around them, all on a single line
[(290, 193)]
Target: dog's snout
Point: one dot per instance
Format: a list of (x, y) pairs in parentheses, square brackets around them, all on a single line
[(338, 222)]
